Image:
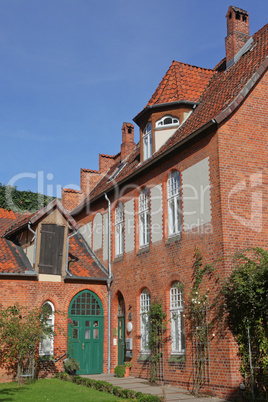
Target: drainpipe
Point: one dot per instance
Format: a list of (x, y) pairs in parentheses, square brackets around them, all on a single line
[(109, 282), (67, 252), (35, 240)]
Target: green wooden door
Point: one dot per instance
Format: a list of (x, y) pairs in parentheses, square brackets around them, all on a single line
[(121, 331), (85, 332)]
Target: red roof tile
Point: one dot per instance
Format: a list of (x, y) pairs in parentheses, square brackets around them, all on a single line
[(82, 260), (181, 82)]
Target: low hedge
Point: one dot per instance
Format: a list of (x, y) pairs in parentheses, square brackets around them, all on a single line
[(107, 387)]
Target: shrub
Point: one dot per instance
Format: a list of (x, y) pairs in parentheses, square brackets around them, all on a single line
[(149, 398), (116, 391), (71, 365), (119, 371)]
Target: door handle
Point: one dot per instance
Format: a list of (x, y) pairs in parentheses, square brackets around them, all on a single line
[(83, 345)]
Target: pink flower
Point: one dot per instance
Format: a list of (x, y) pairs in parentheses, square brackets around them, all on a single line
[(69, 321)]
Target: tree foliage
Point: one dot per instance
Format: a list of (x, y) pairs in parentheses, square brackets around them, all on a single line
[(21, 330), (21, 201), (246, 293)]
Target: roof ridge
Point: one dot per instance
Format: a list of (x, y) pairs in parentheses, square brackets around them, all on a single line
[(191, 65), (90, 170), (110, 156)]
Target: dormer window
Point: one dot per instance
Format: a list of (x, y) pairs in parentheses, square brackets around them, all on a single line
[(147, 142), (167, 121)]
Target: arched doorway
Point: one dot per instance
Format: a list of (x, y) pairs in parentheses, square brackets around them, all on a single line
[(121, 330), (85, 332)]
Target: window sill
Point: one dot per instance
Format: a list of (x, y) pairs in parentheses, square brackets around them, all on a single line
[(174, 238), (144, 249), (177, 358), (144, 357), (119, 258)]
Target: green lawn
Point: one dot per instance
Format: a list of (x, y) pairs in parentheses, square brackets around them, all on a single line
[(52, 390)]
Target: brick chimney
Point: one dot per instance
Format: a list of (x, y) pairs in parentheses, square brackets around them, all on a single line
[(237, 31), (128, 143)]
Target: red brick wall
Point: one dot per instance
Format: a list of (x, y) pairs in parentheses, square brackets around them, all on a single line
[(167, 262)]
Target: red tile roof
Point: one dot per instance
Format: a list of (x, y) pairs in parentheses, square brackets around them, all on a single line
[(10, 261), (181, 82), (221, 89), (82, 260)]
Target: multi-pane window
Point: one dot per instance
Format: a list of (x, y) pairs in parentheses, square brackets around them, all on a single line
[(145, 305), (147, 142), (144, 218), (177, 319), (174, 203), (119, 226), (46, 346)]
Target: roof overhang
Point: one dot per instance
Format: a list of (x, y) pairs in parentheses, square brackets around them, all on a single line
[(42, 212), (150, 108)]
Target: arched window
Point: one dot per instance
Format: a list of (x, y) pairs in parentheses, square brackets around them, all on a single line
[(145, 305), (119, 229), (177, 319), (147, 142), (167, 121), (46, 346), (144, 218), (174, 203)]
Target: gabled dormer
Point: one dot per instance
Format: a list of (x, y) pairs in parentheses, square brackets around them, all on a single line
[(49, 245), (170, 105)]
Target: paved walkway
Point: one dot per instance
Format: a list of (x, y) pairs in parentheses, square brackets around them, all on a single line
[(171, 392)]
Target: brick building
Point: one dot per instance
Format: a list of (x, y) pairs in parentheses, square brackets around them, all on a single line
[(196, 179)]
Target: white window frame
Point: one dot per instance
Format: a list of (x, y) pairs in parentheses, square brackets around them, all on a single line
[(161, 123), (147, 141), (144, 218), (145, 307), (177, 319), (119, 229), (46, 346), (174, 203)]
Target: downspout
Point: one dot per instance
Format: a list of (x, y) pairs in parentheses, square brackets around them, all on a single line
[(67, 252), (109, 283), (35, 241)]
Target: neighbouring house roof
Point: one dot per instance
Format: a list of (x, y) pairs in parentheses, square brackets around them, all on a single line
[(223, 91), (82, 261)]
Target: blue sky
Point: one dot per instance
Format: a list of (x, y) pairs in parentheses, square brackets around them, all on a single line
[(73, 70)]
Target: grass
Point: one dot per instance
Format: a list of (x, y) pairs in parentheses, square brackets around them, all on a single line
[(52, 390)]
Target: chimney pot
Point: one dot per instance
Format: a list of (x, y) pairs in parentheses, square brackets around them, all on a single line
[(237, 31)]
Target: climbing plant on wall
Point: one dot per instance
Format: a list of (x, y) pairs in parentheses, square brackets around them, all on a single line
[(157, 328), (198, 310)]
